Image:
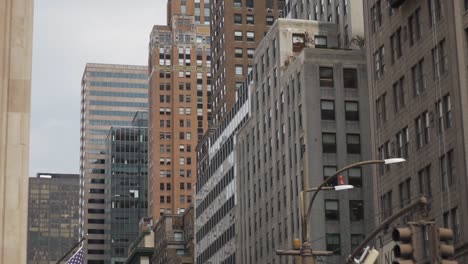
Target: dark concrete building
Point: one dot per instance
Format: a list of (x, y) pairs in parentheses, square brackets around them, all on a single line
[(127, 184), (309, 117), (179, 85), (417, 57), (237, 27), (53, 216)]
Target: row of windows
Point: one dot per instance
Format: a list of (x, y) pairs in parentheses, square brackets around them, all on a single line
[(96, 122), (118, 75), (225, 180), (118, 104), (111, 113), (332, 210), (118, 94), (182, 198), (353, 143), (119, 84), (328, 110), (214, 220), (217, 244)]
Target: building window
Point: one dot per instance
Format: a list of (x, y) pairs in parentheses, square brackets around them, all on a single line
[(351, 111), (332, 212), (320, 42), (270, 20), (439, 59), (250, 36), (395, 44), (435, 11), (238, 35), (238, 52), (356, 240), (327, 109), (350, 78), (405, 192), (250, 53), (239, 70), (356, 210), (250, 19), (381, 109), (422, 124), (326, 76), (333, 243), (376, 16), (424, 177), (329, 171), (355, 177), (414, 27), (417, 74), (353, 143), (444, 109), (329, 142), (402, 143), (399, 94), (379, 62), (237, 18), (237, 3), (346, 35)]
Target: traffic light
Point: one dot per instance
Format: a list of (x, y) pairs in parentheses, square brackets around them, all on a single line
[(404, 250), (445, 249)]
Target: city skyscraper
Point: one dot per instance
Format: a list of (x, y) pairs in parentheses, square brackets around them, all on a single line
[(110, 96), (53, 216), (417, 66), (16, 31), (237, 27), (179, 85), (127, 183), (309, 118)]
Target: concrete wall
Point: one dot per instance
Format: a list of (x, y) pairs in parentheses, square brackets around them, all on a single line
[(16, 20)]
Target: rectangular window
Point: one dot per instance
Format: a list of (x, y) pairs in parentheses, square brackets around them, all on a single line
[(320, 42), (329, 171), (439, 59), (356, 240), (270, 20), (332, 210), (414, 27), (238, 52), (353, 143), (399, 94), (239, 70), (328, 142), (238, 35), (326, 77), (355, 177), (424, 177), (351, 111), (237, 18), (356, 210), (250, 36), (379, 63), (395, 43), (417, 74), (333, 243), (327, 109), (350, 78), (250, 19)]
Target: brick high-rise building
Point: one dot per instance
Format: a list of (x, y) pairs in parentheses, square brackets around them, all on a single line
[(110, 96), (237, 27), (179, 85), (417, 57)]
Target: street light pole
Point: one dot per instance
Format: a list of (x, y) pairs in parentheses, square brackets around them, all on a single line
[(307, 246)]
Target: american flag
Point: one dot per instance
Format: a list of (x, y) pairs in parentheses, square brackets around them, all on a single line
[(77, 258)]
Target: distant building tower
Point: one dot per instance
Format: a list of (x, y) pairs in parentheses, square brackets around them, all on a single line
[(53, 216), (127, 184), (237, 27), (110, 96), (180, 84)]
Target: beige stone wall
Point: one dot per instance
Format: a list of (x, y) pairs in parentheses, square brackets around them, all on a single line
[(16, 21)]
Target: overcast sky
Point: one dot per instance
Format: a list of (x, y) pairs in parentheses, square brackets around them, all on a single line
[(67, 35)]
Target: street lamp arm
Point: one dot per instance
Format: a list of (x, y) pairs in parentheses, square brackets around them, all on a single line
[(421, 201), (331, 178)]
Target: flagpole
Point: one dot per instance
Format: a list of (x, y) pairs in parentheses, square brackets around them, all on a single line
[(73, 248)]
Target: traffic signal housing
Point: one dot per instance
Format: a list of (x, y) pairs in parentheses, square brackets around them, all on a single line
[(445, 249), (404, 250)]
